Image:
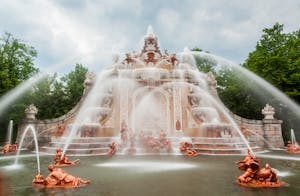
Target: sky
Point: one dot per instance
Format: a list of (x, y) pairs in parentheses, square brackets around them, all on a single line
[(66, 32)]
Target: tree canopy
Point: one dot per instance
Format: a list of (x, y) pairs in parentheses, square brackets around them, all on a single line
[(54, 96), (16, 62), (276, 58)]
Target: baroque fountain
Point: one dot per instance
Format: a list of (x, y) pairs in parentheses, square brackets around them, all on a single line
[(154, 103), (148, 93)]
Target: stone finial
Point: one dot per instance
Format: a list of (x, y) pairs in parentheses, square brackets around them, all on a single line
[(31, 111), (211, 80), (89, 79), (268, 111)]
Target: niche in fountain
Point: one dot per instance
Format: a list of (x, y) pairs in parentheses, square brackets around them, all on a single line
[(150, 92)]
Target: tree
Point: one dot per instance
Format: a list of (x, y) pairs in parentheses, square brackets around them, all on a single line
[(276, 58), (16, 65), (74, 83), (238, 94), (62, 94), (16, 62), (204, 64)]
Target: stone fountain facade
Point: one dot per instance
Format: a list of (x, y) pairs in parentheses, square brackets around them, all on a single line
[(167, 94)]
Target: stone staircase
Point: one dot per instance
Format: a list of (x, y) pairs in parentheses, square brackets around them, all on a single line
[(100, 145)]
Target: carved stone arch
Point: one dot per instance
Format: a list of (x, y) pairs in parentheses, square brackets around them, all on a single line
[(141, 92)]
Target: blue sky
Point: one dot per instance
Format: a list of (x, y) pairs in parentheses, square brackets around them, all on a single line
[(66, 32)]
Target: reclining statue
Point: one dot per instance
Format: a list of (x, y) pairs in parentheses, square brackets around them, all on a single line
[(59, 178)]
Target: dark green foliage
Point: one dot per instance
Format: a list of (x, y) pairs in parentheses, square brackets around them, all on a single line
[(74, 83), (239, 94), (55, 97), (52, 96), (276, 58), (16, 62), (204, 64)]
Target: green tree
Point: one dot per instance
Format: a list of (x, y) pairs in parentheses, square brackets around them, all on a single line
[(204, 64), (62, 94), (238, 94), (16, 62), (276, 58), (74, 84)]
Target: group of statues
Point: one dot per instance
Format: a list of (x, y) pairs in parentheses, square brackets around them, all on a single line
[(10, 148), (59, 177), (146, 141), (155, 144), (253, 176), (151, 57), (187, 149)]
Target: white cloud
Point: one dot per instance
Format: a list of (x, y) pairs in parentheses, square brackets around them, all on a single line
[(66, 32), (168, 19)]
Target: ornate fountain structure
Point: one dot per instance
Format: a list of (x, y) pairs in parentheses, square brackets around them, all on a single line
[(148, 93)]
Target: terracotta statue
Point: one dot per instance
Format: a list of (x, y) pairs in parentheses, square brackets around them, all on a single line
[(60, 130), (191, 152), (58, 178), (168, 145), (151, 58), (6, 148), (10, 148), (124, 130), (293, 148), (128, 59), (249, 161), (38, 179), (162, 137), (173, 59), (112, 148), (185, 145), (187, 149), (15, 147), (60, 160), (178, 125), (255, 177)]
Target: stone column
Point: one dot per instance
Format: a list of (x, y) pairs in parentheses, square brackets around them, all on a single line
[(272, 127)]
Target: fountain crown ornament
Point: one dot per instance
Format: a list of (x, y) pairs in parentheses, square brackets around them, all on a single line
[(268, 111), (151, 51), (31, 111)]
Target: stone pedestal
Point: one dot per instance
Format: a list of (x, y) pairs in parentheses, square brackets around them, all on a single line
[(272, 127), (272, 132)]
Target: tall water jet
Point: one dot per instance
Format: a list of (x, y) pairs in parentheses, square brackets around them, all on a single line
[(9, 132), (32, 129), (293, 138)]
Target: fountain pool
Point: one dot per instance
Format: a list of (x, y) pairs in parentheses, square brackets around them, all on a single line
[(156, 175)]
